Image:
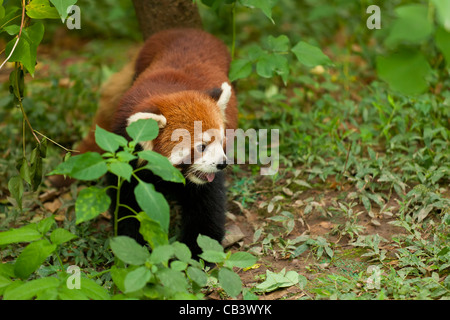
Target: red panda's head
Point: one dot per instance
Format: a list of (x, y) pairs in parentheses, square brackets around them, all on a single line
[(192, 130)]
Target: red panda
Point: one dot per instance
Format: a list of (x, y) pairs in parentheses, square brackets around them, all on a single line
[(180, 80)]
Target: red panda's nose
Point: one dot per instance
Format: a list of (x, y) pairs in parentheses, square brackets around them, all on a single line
[(222, 166)]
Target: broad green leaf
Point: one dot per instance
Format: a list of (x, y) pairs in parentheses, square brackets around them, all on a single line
[(161, 166), (443, 13), (278, 44), (31, 288), (87, 166), (62, 5), (90, 203), (264, 5), (143, 130), (27, 233), (404, 71), (93, 290), (206, 243), (310, 55), (240, 260), (161, 254), (118, 275), (270, 63), (412, 25), (443, 43), (2, 10), (213, 256), (65, 293), (153, 204), (198, 276), (151, 231), (240, 69), (46, 224), (137, 279), (32, 257), (60, 235), (12, 29), (129, 251), (173, 280), (4, 281), (123, 170), (275, 281), (181, 251), (109, 141), (15, 187), (41, 9), (230, 282)]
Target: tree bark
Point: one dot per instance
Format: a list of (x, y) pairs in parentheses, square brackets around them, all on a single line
[(157, 15)]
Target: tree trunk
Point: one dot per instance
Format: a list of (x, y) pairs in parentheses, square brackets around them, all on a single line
[(157, 15)]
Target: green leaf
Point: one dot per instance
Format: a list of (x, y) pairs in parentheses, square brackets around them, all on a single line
[(32, 257), (15, 187), (62, 5), (265, 5), (129, 251), (270, 63), (4, 282), (153, 204), (121, 169), (41, 9), (31, 288), (161, 166), (275, 281), (27, 233), (412, 25), (36, 167), (278, 44), (137, 279), (161, 254), (310, 55), (239, 69), (240, 260), (151, 231), (92, 290), (60, 235), (87, 166), (143, 130), (230, 282), (208, 244), (405, 71), (173, 280), (2, 10), (181, 251), (443, 13), (109, 141), (198, 276), (443, 43), (45, 225), (213, 256), (90, 203)]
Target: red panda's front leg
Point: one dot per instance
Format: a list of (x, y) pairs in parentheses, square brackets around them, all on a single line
[(204, 208)]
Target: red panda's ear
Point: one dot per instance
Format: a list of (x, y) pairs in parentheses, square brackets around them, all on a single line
[(162, 121), (224, 97)]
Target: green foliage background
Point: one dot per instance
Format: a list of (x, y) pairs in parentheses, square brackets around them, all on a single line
[(366, 115)]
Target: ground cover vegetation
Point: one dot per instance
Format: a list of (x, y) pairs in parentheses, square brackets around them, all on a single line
[(359, 208)]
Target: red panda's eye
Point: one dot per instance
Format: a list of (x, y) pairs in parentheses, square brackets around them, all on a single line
[(201, 147)]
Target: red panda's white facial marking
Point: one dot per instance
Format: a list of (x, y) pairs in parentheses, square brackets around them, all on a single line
[(193, 136), (209, 157)]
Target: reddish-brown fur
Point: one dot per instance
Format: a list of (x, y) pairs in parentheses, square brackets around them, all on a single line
[(174, 71)]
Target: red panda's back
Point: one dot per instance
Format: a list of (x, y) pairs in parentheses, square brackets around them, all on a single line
[(192, 51)]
